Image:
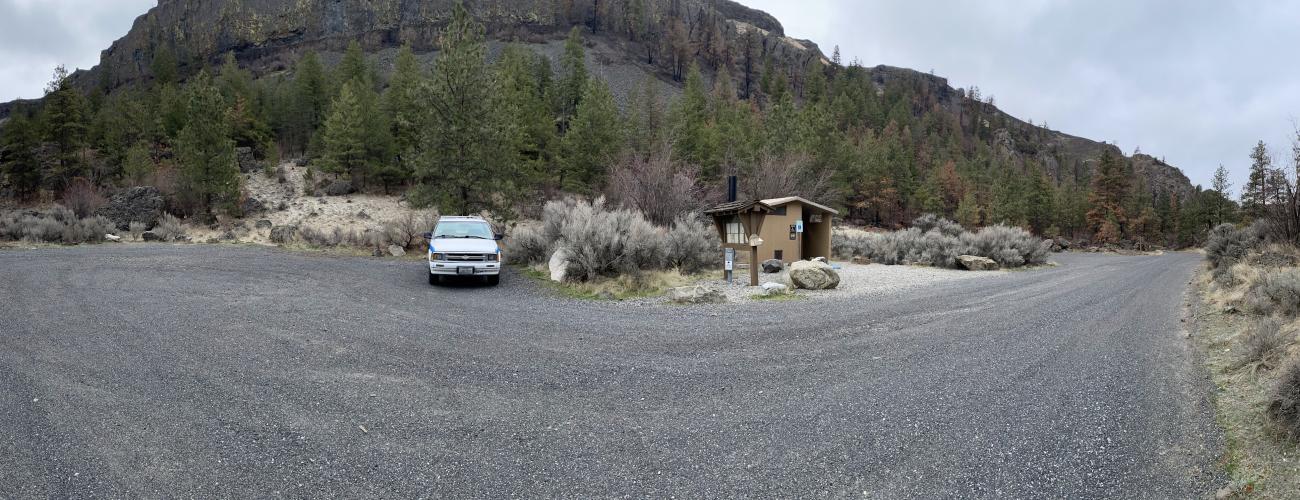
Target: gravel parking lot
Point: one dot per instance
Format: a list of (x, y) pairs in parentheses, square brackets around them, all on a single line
[(161, 371)]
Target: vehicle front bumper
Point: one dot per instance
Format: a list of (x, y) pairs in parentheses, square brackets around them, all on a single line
[(452, 268)]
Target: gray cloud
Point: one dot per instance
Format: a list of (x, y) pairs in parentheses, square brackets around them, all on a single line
[(37, 35), (1195, 82)]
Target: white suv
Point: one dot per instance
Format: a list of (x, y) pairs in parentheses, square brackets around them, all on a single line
[(464, 246)]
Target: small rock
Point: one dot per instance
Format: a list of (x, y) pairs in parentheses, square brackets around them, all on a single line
[(977, 263), (771, 288), (339, 187), (696, 294), (396, 251), (112, 237), (821, 259), (771, 266), (262, 224), (860, 260)]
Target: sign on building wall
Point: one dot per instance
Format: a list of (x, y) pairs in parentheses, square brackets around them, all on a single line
[(798, 226)]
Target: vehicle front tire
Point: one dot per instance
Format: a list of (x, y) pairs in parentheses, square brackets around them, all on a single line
[(434, 279), (494, 280)]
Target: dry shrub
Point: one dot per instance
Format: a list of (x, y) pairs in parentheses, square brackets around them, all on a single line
[(692, 245), (1226, 244), (788, 175), (1284, 403), (946, 227), (660, 188), (57, 225), (408, 230), (602, 242), (170, 228), (1262, 342), (339, 237), (82, 197), (1275, 292), (1008, 246), (136, 228)]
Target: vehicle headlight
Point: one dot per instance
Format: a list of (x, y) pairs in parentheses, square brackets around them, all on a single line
[(437, 256), (492, 257)]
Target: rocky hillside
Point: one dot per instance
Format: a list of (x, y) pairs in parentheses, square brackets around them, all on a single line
[(629, 39)]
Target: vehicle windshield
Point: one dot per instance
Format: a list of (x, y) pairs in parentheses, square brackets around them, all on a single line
[(465, 229)]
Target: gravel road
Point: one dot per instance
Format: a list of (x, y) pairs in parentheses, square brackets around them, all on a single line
[(209, 371)]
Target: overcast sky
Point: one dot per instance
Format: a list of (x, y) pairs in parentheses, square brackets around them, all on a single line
[(1196, 82)]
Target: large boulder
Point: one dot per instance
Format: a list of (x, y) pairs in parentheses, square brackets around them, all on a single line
[(137, 204), (977, 263), (559, 265), (813, 275), (396, 251), (772, 266), (696, 294)]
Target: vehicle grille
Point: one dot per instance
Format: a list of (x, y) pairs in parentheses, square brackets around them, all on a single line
[(466, 257)]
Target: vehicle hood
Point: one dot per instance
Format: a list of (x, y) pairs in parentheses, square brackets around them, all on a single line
[(464, 245)]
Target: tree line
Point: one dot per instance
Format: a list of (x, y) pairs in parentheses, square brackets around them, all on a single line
[(475, 133)]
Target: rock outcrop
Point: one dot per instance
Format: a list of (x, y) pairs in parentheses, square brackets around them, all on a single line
[(138, 204)]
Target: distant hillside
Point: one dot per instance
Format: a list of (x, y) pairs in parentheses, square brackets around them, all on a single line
[(627, 41)]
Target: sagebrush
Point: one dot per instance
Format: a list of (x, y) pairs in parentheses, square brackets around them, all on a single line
[(55, 225), (938, 242), (1262, 341), (1284, 404), (600, 241), (1276, 292)]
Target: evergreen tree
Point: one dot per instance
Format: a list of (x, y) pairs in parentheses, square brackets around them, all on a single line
[(64, 117), (594, 139), (353, 68), (1255, 196), (695, 139), (646, 123), (1106, 217), (209, 175), (521, 100), (460, 164), (310, 100), (408, 117), (165, 68), (968, 211), (138, 164), (235, 82), (343, 136), (573, 78), (19, 139)]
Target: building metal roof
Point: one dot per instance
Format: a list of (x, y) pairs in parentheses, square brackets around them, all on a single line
[(776, 202), (739, 207)]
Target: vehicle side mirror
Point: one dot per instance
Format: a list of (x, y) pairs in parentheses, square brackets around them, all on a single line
[(498, 236), (428, 236)]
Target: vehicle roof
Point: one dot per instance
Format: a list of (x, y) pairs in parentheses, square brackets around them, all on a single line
[(461, 218)]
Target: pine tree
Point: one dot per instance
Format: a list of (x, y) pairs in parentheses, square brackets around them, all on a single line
[(343, 136), (521, 100), (64, 117), (352, 68), (461, 163), (1255, 196), (408, 117), (19, 139), (646, 122), (310, 100), (595, 138), (1106, 217), (235, 82), (968, 211), (138, 164), (165, 68), (209, 176), (695, 139), (573, 78)]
